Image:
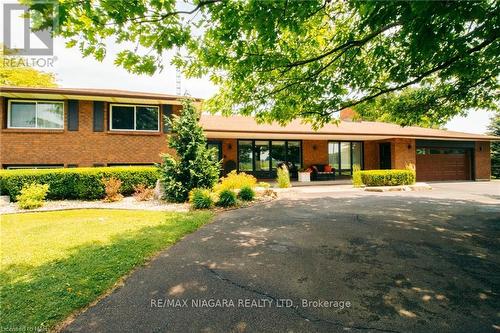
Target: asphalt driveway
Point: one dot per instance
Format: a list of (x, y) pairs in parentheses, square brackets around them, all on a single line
[(325, 260)]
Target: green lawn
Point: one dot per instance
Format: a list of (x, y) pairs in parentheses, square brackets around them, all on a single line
[(53, 263)]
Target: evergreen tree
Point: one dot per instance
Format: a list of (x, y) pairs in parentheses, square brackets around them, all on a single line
[(494, 129), (194, 165)]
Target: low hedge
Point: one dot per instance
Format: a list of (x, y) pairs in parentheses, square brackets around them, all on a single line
[(387, 177), (76, 183)]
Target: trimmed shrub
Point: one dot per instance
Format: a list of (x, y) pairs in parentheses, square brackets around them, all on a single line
[(356, 176), (143, 193), (283, 177), (227, 198), (246, 193), (32, 196), (77, 183), (112, 189), (201, 198), (387, 177), (235, 180)]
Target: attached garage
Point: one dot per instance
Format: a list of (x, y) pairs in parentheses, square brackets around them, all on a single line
[(444, 160)]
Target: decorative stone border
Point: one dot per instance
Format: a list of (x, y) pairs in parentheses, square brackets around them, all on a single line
[(415, 187)]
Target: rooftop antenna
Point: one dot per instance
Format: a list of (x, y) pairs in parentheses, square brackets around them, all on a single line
[(178, 89), (178, 78)]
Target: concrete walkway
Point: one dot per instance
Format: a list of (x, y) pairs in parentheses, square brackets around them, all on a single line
[(324, 262)]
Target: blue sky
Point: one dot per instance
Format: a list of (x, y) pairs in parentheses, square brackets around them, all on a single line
[(74, 71)]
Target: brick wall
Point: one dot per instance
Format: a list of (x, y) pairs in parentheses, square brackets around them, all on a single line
[(371, 155), (482, 161), (229, 149), (402, 153), (83, 147), (229, 152), (314, 152)]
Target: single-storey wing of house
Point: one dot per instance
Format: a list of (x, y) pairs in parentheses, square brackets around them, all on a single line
[(62, 127)]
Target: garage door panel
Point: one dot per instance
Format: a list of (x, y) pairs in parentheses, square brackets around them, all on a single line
[(443, 167)]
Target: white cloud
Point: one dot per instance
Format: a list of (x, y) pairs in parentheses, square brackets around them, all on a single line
[(474, 122)]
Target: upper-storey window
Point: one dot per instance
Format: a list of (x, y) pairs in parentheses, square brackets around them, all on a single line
[(36, 114), (134, 118)]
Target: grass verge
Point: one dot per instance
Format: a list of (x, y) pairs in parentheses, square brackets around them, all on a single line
[(53, 263)]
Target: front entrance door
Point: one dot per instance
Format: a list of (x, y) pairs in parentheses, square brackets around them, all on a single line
[(385, 155)]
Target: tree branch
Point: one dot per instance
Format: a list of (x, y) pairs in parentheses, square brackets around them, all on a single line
[(150, 19), (347, 45), (419, 78), (308, 77)]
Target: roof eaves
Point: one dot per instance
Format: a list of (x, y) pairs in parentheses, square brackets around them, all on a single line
[(91, 92)]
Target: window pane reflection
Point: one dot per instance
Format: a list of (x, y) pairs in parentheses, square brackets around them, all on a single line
[(245, 155), (261, 155)]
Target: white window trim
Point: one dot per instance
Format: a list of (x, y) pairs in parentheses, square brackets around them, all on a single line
[(34, 166), (135, 118), (36, 101)]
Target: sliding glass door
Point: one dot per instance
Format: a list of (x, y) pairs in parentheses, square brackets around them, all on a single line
[(342, 155), (278, 153), (245, 155), (262, 157), (345, 158)]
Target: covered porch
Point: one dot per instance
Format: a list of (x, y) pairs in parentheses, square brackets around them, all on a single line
[(247, 146), (260, 157)]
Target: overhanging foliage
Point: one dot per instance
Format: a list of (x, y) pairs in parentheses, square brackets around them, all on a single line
[(279, 60)]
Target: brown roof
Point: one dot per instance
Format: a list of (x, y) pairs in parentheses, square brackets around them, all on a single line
[(247, 127), (92, 92)]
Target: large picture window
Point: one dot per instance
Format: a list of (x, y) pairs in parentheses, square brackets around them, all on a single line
[(263, 156), (134, 118), (245, 158), (343, 155), (36, 114)]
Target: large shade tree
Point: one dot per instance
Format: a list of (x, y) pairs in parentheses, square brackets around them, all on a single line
[(285, 59)]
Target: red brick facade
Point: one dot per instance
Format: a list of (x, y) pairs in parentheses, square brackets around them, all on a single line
[(81, 148), (402, 153), (482, 161), (86, 147), (314, 152), (371, 155)]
